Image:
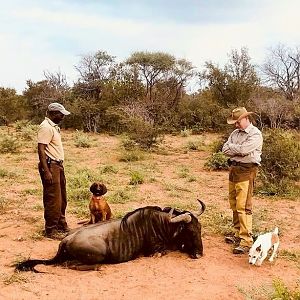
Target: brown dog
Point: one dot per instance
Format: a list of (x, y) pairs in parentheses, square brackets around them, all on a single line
[(100, 211)]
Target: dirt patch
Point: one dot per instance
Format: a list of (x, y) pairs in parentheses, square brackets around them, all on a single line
[(217, 275)]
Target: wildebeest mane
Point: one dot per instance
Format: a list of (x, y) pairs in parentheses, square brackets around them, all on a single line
[(138, 211)]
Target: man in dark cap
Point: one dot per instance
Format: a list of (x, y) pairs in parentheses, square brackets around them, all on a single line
[(243, 147), (51, 157)]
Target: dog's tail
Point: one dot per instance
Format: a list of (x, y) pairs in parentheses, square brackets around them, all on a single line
[(276, 231)]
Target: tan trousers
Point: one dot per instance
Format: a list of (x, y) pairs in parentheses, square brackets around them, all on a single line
[(241, 184)]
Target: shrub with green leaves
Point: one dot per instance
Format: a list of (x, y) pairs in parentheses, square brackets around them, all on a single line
[(9, 144), (144, 133), (217, 161), (186, 132), (136, 177), (28, 132), (128, 143), (195, 144), (280, 166), (282, 292), (82, 140), (119, 197), (109, 169), (133, 155)]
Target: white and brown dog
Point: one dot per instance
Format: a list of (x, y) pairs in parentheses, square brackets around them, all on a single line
[(259, 250), (99, 209)]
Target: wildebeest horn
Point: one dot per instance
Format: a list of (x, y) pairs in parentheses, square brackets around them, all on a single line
[(171, 213), (202, 208), (182, 218)]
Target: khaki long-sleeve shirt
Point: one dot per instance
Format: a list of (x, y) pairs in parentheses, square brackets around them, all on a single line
[(244, 146)]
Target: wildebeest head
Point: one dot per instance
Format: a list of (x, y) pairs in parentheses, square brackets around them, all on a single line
[(189, 238), (98, 189)]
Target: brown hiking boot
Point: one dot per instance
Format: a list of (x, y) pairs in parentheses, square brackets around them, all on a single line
[(232, 240), (64, 229), (241, 250), (55, 234)]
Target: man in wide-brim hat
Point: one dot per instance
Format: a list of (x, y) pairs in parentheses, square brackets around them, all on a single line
[(243, 148)]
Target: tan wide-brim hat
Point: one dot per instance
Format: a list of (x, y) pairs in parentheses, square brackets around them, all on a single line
[(238, 114)]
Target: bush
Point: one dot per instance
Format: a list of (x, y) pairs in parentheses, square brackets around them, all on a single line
[(119, 197), (28, 132), (9, 144), (186, 132), (145, 134), (136, 178), (282, 292), (196, 144), (217, 161), (134, 155), (280, 166), (81, 140), (129, 144)]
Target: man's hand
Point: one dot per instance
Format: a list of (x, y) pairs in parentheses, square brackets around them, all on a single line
[(48, 177)]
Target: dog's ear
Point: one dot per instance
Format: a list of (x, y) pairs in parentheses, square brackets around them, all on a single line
[(104, 189), (92, 187), (258, 249)]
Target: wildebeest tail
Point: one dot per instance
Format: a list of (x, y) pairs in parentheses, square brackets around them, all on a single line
[(29, 264)]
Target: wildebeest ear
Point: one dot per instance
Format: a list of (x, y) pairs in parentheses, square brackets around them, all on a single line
[(258, 249), (92, 187), (178, 230), (104, 189)]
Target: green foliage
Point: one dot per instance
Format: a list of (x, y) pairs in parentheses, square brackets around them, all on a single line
[(281, 291), (280, 166), (129, 144), (82, 140), (28, 132), (136, 177), (216, 221), (4, 173), (108, 169), (195, 144), (291, 255), (217, 145), (78, 185), (9, 144), (12, 106), (129, 156), (234, 84), (184, 172), (217, 161), (119, 197), (201, 112), (143, 133), (186, 132)]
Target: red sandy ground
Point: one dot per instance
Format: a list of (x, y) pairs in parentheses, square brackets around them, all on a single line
[(217, 275)]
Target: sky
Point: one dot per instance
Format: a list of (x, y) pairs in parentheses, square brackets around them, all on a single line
[(38, 36)]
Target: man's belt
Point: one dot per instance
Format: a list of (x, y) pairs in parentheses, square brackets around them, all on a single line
[(54, 161), (237, 163)]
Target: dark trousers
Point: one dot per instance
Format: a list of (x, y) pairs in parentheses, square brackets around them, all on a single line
[(54, 197)]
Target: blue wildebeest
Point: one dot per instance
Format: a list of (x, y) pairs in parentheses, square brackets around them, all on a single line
[(145, 231)]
